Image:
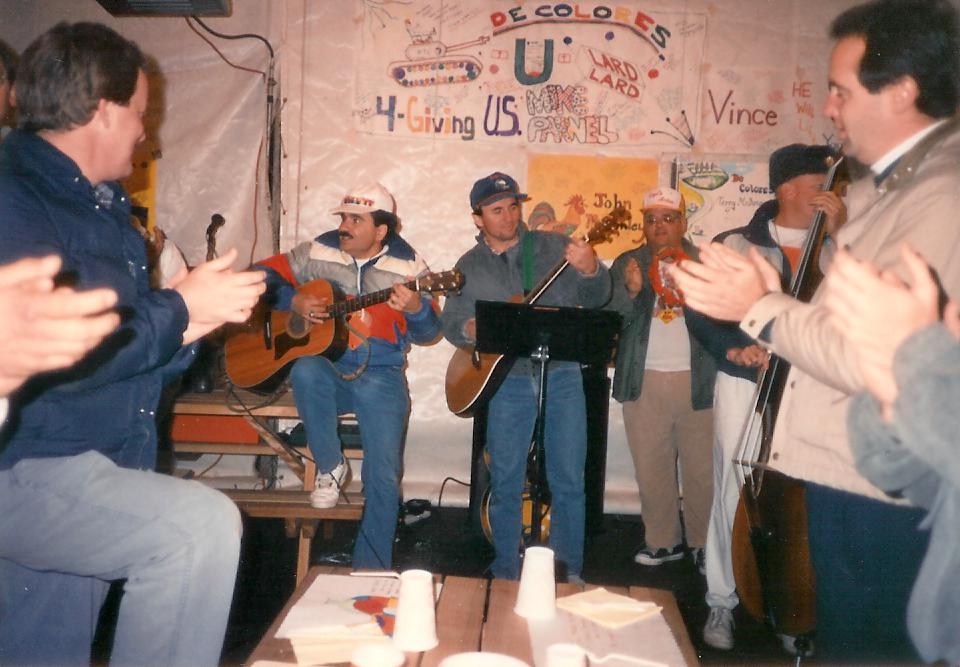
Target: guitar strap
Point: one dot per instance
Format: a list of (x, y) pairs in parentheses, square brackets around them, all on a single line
[(528, 264)]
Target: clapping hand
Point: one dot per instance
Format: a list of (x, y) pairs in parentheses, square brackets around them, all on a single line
[(877, 311), (44, 328)]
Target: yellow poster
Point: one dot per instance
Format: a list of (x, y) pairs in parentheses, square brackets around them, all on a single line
[(571, 194)]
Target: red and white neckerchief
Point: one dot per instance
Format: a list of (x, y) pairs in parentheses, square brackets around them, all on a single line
[(669, 303)]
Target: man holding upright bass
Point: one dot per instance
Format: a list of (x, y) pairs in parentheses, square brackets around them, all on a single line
[(894, 91), (778, 230)]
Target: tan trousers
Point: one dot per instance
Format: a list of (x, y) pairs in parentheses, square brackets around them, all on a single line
[(662, 427)]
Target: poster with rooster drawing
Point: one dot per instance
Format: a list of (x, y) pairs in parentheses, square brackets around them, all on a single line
[(571, 193)]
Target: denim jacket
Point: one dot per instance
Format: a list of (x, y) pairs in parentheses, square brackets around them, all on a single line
[(107, 401)]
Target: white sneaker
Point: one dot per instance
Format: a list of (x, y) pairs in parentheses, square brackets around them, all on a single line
[(718, 632), (790, 645), (326, 490)]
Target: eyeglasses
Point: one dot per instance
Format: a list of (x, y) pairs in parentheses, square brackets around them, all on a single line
[(666, 218)]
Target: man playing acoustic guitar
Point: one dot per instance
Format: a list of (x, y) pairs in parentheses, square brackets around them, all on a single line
[(365, 254), (494, 270)]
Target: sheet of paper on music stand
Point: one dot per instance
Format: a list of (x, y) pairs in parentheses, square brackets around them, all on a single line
[(649, 638), (338, 614)]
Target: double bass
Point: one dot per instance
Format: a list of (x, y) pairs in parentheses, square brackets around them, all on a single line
[(771, 556)]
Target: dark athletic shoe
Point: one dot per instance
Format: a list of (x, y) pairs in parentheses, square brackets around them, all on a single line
[(651, 556)]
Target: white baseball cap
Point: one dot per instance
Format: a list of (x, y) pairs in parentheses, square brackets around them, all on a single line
[(366, 199), (663, 198)]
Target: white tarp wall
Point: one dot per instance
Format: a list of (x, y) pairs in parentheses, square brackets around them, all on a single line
[(206, 116), (711, 86)]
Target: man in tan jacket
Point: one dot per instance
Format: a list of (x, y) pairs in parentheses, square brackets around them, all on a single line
[(892, 94)]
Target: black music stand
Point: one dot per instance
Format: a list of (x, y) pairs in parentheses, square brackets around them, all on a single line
[(543, 333)]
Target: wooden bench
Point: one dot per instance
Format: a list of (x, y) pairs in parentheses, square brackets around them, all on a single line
[(293, 506)]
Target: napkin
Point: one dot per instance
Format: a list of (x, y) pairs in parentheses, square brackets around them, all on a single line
[(608, 609)]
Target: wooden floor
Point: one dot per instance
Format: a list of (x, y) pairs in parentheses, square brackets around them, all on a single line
[(445, 542)]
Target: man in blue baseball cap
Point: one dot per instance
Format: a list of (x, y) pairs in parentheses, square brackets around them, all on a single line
[(507, 261), (493, 188)]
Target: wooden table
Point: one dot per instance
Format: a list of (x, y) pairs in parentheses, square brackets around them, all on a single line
[(474, 615)]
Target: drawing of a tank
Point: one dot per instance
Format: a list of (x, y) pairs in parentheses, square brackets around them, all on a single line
[(428, 64)]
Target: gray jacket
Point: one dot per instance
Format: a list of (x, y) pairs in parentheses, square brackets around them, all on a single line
[(918, 456), (635, 334), (492, 277), (917, 204)]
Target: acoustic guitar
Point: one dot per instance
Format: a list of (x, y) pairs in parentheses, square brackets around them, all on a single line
[(473, 377), (272, 339)]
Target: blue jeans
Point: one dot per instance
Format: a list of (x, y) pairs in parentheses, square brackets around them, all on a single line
[(71, 525), (866, 554), (511, 418), (380, 400)]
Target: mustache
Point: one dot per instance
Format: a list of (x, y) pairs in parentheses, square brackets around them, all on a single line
[(346, 235)]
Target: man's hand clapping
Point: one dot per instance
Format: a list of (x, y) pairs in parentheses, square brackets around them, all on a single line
[(43, 328), (725, 284), (877, 311), (215, 294)]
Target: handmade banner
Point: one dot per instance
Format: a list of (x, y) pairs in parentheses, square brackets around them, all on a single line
[(545, 74)]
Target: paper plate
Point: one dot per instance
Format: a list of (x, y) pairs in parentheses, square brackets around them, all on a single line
[(481, 659)]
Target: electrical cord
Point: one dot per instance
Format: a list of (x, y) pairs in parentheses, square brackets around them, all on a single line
[(270, 399), (271, 135), (248, 35), (350, 377), (443, 484), (209, 467)]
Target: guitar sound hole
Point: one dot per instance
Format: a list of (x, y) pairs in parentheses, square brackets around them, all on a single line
[(298, 326)]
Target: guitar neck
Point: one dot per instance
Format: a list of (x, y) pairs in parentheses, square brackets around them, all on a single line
[(545, 282), (591, 237), (342, 308)]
